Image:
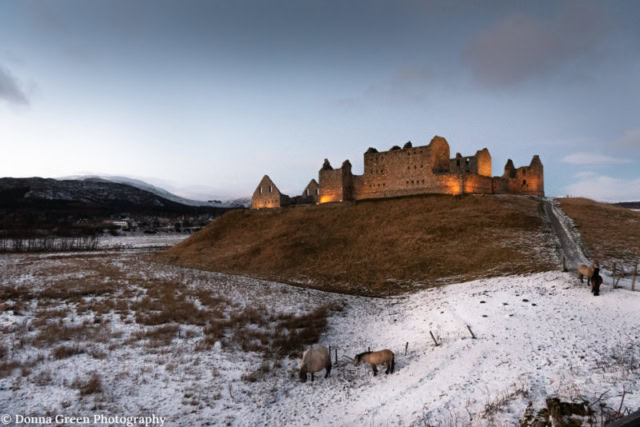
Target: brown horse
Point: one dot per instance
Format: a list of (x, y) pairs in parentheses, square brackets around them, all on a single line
[(588, 272), (377, 358), (314, 360)]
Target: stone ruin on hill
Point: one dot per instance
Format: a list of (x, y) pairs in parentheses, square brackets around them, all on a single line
[(408, 171)]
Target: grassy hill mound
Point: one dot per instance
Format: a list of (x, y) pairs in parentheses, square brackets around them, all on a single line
[(611, 233), (376, 247)]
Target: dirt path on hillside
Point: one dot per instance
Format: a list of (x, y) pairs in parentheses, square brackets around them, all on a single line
[(570, 242)]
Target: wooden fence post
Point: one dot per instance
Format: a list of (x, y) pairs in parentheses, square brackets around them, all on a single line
[(635, 274), (336, 350), (613, 276), (434, 339), (471, 332), (406, 347), (564, 264)]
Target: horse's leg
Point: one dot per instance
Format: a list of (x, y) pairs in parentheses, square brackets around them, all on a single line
[(375, 370), (328, 371), (388, 365), (580, 277), (311, 376)]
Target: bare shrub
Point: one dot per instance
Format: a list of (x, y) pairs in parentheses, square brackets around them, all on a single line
[(501, 400), (293, 333), (65, 351), (53, 333), (164, 303), (96, 353), (159, 336), (42, 379), (91, 385), (251, 377), (7, 368)]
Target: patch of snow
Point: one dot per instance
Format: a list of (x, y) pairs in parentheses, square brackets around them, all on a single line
[(542, 334), (160, 240)]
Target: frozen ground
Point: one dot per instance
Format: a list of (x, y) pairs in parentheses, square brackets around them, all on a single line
[(537, 335)]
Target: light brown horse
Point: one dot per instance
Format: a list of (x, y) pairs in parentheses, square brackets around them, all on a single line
[(314, 360), (585, 271), (377, 358)]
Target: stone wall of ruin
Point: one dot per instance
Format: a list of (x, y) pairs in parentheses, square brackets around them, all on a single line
[(412, 171), (331, 186), (266, 196), (403, 171)]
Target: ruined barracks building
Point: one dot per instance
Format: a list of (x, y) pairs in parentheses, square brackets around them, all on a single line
[(408, 171)]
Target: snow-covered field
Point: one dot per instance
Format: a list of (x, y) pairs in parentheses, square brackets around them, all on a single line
[(536, 336), (134, 241)]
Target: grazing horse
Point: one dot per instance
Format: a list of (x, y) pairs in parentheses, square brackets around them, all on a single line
[(377, 358), (314, 360), (588, 272)]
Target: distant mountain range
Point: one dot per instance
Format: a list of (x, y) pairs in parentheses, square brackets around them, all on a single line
[(26, 202), (214, 202), (630, 205)]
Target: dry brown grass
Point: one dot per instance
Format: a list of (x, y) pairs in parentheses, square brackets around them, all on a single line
[(66, 351), (90, 385), (55, 332), (374, 247), (611, 233), (255, 329)]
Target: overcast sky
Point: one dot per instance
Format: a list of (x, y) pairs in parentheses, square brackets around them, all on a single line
[(207, 97)]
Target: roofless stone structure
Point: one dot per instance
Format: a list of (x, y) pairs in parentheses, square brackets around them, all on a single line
[(427, 169)]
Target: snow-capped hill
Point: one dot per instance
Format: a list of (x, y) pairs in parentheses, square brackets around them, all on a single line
[(212, 201)]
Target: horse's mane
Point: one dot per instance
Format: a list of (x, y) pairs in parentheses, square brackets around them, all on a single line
[(359, 356)]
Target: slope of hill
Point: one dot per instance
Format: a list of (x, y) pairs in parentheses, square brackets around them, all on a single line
[(377, 247), (610, 233)]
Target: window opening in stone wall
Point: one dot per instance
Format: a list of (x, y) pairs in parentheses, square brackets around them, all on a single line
[(260, 190), (307, 192), (317, 191), (270, 189), (458, 163)]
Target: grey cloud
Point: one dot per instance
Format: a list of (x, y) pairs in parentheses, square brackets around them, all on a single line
[(10, 90), (630, 139), (407, 86), (520, 47), (606, 188), (585, 158)]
